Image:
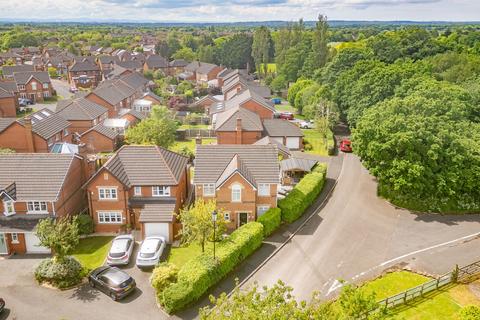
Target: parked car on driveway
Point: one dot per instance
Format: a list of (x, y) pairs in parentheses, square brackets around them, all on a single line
[(24, 102), (346, 145), (73, 89), (286, 116), (112, 281), (2, 305), (277, 101), (121, 250), (150, 251), (307, 125)]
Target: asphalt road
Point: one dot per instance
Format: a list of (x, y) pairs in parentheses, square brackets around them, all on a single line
[(357, 236)]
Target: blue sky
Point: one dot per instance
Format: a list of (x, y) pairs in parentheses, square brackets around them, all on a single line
[(240, 10)]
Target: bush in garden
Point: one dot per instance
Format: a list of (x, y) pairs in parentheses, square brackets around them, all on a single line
[(270, 220), (303, 195), (84, 223), (202, 272), (470, 313), (163, 275), (62, 273)]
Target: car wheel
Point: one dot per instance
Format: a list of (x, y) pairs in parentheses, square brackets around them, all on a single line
[(113, 296), (92, 283)]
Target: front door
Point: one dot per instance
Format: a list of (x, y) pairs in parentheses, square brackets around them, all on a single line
[(3, 244), (242, 218)]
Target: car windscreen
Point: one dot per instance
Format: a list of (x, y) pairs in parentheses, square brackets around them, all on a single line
[(147, 254), (119, 248)]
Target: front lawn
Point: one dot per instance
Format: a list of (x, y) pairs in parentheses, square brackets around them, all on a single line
[(440, 304), (92, 251), (318, 143), (190, 144), (179, 256)]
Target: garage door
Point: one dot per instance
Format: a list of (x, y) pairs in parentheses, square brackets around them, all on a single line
[(157, 229), (293, 143), (32, 244), (278, 139)]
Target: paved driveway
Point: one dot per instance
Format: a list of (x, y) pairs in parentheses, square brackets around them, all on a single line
[(26, 300), (62, 87)]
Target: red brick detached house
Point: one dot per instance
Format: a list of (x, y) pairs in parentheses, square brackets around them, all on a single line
[(35, 86), (242, 178), (82, 114), (238, 126), (8, 105), (36, 133), (100, 139), (84, 74), (33, 187), (141, 187)]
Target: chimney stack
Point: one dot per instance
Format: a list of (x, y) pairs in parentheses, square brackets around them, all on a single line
[(238, 129), (198, 139), (29, 134)]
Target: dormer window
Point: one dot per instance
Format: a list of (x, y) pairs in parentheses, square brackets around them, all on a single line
[(160, 191), (8, 208)]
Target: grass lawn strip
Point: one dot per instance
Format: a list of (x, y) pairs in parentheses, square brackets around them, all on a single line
[(92, 251), (317, 141), (190, 144), (179, 256)]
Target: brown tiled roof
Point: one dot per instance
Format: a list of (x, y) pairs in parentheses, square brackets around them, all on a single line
[(37, 176), (247, 95), (227, 120), (109, 93), (134, 80), (281, 148), (212, 160), (130, 64), (5, 94), (158, 212), (281, 128), (9, 70), (81, 109), (84, 66), (20, 222), (9, 86), (147, 165), (6, 122), (135, 113), (205, 68), (156, 61), (24, 77), (305, 165), (178, 63), (45, 123), (105, 131)]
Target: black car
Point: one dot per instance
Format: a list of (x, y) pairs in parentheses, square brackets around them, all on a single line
[(112, 281), (2, 305)]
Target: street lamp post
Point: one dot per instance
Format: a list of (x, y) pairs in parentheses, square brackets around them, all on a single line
[(214, 219)]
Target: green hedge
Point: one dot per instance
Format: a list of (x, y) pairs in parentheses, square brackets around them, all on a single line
[(202, 272), (271, 220), (303, 195)]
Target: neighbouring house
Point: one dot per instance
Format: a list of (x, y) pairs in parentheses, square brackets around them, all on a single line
[(132, 116), (177, 66), (8, 103), (190, 71), (143, 106), (34, 187), (35, 86), (156, 62), (285, 132), (206, 102), (243, 179), (118, 125), (84, 74), (100, 139), (294, 169), (8, 71), (82, 114), (36, 132), (283, 151), (150, 96), (238, 83), (11, 57), (238, 126), (207, 72), (106, 63), (142, 187), (132, 65)]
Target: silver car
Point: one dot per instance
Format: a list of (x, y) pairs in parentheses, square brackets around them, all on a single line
[(150, 251), (121, 250)]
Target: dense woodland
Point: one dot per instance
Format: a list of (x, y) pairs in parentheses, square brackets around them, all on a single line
[(410, 93)]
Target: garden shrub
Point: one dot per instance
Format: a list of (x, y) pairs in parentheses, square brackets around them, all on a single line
[(85, 224), (470, 313), (62, 273), (202, 272), (163, 275), (270, 220), (303, 195)]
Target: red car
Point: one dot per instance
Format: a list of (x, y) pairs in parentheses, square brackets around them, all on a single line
[(286, 116), (346, 145)]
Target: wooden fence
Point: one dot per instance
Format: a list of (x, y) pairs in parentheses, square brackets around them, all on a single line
[(462, 274), (203, 133)]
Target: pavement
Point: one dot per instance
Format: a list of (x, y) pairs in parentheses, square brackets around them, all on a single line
[(62, 87)]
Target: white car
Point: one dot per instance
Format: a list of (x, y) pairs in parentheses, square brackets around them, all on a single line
[(306, 125), (121, 250), (150, 251)]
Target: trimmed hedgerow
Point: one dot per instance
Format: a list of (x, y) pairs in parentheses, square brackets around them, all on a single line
[(303, 195), (271, 220), (163, 275), (202, 272), (59, 273)]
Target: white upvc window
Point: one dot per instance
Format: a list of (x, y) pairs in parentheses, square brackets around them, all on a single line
[(208, 189), (65, 132), (45, 85), (107, 217), (14, 238), (37, 207), (236, 193), (226, 216), (21, 87), (261, 210), (46, 94), (160, 191), (263, 189), (107, 193), (34, 85), (8, 208), (137, 191)]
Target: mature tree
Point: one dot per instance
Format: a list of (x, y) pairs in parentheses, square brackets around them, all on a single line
[(162, 48), (343, 61), (60, 235), (262, 48), (158, 129), (206, 54), (197, 225), (185, 53), (52, 72), (235, 52), (296, 88), (319, 42), (278, 83)]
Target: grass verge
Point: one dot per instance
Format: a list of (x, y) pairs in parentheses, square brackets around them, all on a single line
[(92, 251)]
